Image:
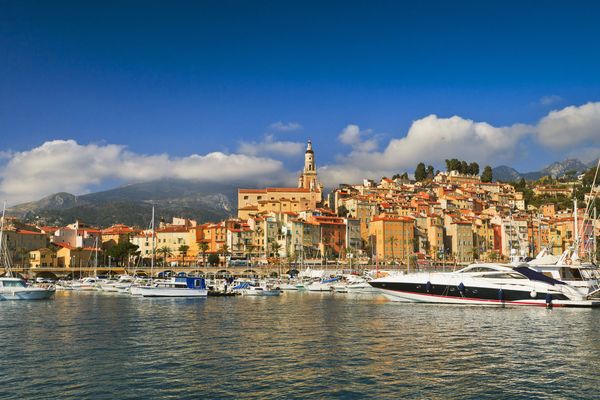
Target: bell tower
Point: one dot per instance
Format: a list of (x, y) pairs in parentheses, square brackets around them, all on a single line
[(308, 179)]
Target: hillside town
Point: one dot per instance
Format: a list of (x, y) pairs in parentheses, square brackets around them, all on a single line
[(438, 218)]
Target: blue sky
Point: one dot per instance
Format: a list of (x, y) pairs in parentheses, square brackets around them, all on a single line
[(191, 77)]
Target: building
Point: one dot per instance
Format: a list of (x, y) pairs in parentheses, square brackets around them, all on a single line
[(308, 195), (392, 237)]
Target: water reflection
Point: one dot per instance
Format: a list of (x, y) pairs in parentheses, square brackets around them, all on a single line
[(293, 346)]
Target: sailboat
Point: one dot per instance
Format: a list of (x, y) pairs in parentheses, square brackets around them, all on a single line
[(13, 288), (176, 287)]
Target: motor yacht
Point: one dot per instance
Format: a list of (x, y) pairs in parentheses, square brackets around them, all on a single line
[(484, 284), (17, 289), (175, 287)]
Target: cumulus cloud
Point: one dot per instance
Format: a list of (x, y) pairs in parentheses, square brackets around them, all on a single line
[(570, 126), (431, 139), (65, 165), (359, 139), (281, 126), (270, 145)]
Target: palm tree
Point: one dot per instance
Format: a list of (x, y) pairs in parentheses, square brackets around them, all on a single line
[(203, 246), (224, 250), (183, 249), (166, 252)]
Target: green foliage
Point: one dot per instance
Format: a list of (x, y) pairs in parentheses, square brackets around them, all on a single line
[(462, 166), (213, 259), (120, 252), (420, 172), (487, 174), (430, 172)]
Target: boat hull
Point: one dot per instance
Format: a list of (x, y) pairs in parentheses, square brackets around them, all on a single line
[(411, 297), (171, 292), (27, 294)]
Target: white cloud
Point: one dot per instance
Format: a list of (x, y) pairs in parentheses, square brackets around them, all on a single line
[(550, 100), (353, 136), (570, 126), (431, 139), (281, 126), (65, 165), (269, 145)]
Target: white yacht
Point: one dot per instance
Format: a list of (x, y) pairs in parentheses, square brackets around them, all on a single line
[(86, 284), (567, 268), (12, 288), (17, 289), (175, 287), (322, 285), (484, 284)]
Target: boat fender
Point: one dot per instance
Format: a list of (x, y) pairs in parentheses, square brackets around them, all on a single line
[(428, 286), (500, 294), (533, 294), (548, 300), (461, 287)]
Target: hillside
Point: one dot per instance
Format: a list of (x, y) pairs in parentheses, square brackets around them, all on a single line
[(132, 204)]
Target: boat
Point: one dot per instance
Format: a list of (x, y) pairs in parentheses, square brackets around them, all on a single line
[(484, 284), (322, 286), (86, 284), (247, 289), (13, 288), (175, 287), (288, 286)]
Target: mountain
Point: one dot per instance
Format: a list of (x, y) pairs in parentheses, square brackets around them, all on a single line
[(505, 173), (555, 170), (132, 204)]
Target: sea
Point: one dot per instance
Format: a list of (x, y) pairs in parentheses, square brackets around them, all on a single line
[(295, 346)]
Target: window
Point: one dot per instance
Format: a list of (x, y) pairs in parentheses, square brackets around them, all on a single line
[(245, 197)]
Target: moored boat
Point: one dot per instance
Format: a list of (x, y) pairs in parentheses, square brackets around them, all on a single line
[(176, 287), (484, 284)]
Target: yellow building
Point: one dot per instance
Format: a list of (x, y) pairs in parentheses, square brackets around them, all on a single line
[(393, 237), (306, 196), (73, 258), (116, 234), (42, 258), (435, 235)]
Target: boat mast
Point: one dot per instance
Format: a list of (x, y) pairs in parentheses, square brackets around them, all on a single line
[(1, 236), (96, 257), (576, 229), (153, 247)]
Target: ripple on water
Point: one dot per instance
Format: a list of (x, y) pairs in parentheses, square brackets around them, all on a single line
[(295, 346)]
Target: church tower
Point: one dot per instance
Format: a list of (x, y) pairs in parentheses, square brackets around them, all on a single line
[(308, 178)]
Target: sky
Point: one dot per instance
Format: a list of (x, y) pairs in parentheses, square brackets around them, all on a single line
[(98, 94)]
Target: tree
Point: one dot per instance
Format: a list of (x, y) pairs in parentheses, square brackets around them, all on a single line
[(203, 247), (166, 252), (430, 172), (224, 251), (420, 172), (213, 259), (474, 168), (183, 249), (487, 174), (464, 167), (121, 251), (453, 165), (275, 248)]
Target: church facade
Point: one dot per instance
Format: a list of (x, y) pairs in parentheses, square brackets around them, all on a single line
[(308, 195)]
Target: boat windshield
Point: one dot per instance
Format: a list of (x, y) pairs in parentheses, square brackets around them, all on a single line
[(19, 284)]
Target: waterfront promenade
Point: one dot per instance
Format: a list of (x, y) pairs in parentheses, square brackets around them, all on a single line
[(271, 270)]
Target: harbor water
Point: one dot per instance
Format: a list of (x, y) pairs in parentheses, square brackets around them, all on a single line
[(297, 345)]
